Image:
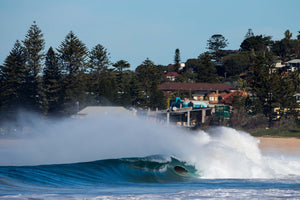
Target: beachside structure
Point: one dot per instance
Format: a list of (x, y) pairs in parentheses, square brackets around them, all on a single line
[(293, 65), (171, 75), (228, 98), (93, 111), (198, 91)]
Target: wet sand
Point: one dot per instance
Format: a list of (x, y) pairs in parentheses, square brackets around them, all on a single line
[(280, 145)]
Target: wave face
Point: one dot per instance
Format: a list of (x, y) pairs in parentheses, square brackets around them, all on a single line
[(217, 153), (125, 157), (154, 169)]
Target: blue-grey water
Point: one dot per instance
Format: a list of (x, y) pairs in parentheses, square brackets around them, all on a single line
[(129, 158)]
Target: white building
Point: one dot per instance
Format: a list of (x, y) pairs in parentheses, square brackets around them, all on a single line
[(293, 65)]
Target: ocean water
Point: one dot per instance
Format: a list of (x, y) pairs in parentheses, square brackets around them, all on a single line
[(125, 157)]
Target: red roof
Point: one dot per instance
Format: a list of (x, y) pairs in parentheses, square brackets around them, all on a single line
[(173, 86), (227, 99), (170, 65), (172, 74)]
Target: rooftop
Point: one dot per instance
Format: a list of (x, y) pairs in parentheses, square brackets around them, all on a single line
[(294, 61), (97, 110), (173, 86)]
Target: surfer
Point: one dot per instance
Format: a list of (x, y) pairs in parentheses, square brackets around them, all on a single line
[(180, 170)]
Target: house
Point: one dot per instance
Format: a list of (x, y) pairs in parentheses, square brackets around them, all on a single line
[(293, 65), (228, 98), (94, 111), (171, 75), (279, 66), (181, 66), (199, 96), (213, 97), (199, 90), (297, 95)]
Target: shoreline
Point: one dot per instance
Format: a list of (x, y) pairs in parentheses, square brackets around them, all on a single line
[(267, 145), (290, 146)]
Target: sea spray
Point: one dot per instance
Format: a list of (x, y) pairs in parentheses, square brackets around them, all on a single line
[(219, 152)]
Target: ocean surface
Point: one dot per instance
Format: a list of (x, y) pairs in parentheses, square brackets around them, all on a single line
[(89, 159)]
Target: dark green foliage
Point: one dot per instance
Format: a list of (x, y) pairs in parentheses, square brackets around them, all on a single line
[(107, 88), (257, 43), (122, 83), (177, 60), (98, 68), (52, 83), (13, 78), (99, 59), (234, 64), (121, 64), (271, 90), (177, 56), (156, 98), (72, 55), (74, 78), (249, 33), (34, 46), (201, 69), (207, 71), (149, 76), (72, 58), (215, 44), (286, 48)]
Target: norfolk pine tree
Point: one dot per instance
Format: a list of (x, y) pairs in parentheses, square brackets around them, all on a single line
[(149, 77), (72, 58), (13, 77), (52, 78), (122, 90), (98, 66), (34, 46), (215, 44), (177, 60)]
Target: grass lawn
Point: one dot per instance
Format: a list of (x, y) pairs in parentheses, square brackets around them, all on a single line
[(277, 132)]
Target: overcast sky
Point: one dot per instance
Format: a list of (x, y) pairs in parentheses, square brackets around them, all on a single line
[(133, 30)]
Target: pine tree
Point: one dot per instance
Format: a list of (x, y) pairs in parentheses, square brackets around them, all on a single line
[(99, 58), (98, 66), (52, 78), (148, 75), (249, 33), (72, 58), (120, 65), (206, 71), (177, 60), (108, 88), (34, 46), (215, 44), (13, 78)]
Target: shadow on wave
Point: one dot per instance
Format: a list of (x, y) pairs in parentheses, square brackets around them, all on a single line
[(152, 169)]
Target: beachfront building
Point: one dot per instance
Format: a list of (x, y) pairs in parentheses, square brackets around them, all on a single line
[(198, 101), (171, 75), (94, 111), (196, 91), (293, 65)]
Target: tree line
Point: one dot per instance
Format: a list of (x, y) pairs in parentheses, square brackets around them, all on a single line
[(70, 77), (252, 69), (65, 79)]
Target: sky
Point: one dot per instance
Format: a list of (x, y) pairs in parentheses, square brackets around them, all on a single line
[(134, 30)]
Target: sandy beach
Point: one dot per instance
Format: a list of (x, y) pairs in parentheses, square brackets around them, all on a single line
[(289, 146), (280, 145)]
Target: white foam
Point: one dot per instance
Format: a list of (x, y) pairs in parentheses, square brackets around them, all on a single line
[(220, 152)]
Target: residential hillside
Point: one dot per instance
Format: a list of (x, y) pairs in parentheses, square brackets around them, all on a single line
[(259, 81)]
